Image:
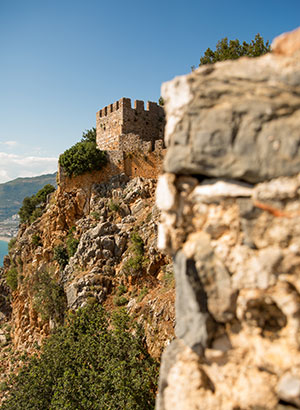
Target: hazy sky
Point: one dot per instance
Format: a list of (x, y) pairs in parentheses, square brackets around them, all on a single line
[(61, 61)]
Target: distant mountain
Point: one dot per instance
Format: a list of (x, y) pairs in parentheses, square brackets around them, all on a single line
[(13, 192)]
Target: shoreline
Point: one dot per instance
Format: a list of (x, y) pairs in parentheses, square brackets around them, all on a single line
[(5, 238)]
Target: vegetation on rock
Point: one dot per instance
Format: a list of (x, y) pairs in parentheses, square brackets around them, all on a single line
[(33, 206), (12, 243), (12, 278), (61, 256), (49, 299), (234, 49), (136, 262), (13, 192), (62, 253), (93, 362), (83, 156)]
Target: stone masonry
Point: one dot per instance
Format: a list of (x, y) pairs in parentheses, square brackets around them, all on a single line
[(230, 217), (132, 137), (120, 127)]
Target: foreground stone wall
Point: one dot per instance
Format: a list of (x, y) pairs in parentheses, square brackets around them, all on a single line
[(231, 220)]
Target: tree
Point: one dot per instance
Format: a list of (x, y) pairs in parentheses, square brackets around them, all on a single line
[(33, 207), (234, 49), (83, 156), (89, 135), (95, 361)]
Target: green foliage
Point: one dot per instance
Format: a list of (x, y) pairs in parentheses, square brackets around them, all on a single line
[(33, 207), (161, 101), (36, 240), (234, 49), (168, 279), (95, 215), (13, 192), (89, 135), (83, 156), (61, 255), (12, 278), (120, 300), (121, 289), (142, 294), (49, 299), (113, 206), (135, 263), (27, 208), (72, 245), (88, 365), (11, 243)]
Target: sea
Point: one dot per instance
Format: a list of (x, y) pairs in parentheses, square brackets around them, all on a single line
[(3, 251)]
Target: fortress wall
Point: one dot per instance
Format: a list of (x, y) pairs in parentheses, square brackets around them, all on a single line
[(142, 164), (148, 124), (132, 137), (109, 125), (120, 118)]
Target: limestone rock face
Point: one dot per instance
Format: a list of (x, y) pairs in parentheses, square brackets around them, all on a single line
[(235, 244), (95, 218), (237, 119)]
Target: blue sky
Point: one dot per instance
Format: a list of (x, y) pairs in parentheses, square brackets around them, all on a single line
[(61, 61)]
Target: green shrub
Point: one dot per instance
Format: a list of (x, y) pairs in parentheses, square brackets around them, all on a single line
[(83, 156), (49, 299), (12, 278), (136, 262), (121, 289), (142, 294), (72, 245), (11, 243), (168, 279), (37, 213), (120, 301), (33, 207), (95, 215), (61, 256), (3, 386), (36, 240), (114, 206), (89, 365)]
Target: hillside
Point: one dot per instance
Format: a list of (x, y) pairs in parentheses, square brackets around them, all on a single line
[(13, 192), (97, 242)]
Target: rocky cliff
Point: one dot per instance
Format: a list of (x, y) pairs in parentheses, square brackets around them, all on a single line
[(94, 241), (230, 218)]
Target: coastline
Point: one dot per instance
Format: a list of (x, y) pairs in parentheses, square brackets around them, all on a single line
[(5, 238)]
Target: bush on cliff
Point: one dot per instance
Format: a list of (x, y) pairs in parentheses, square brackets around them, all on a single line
[(49, 299), (93, 362), (33, 206), (60, 255), (234, 49), (136, 262), (12, 278), (83, 156)]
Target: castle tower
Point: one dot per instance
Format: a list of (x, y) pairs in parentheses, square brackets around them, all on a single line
[(121, 128)]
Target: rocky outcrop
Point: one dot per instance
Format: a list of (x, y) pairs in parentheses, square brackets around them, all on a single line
[(230, 219), (83, 243)]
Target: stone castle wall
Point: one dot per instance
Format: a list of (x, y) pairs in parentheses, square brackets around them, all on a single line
[(117, 120), (230, 203), (132, 137), (109, 122)]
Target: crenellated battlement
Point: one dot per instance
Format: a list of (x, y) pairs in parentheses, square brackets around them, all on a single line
[(125, 104), (119, 119)]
